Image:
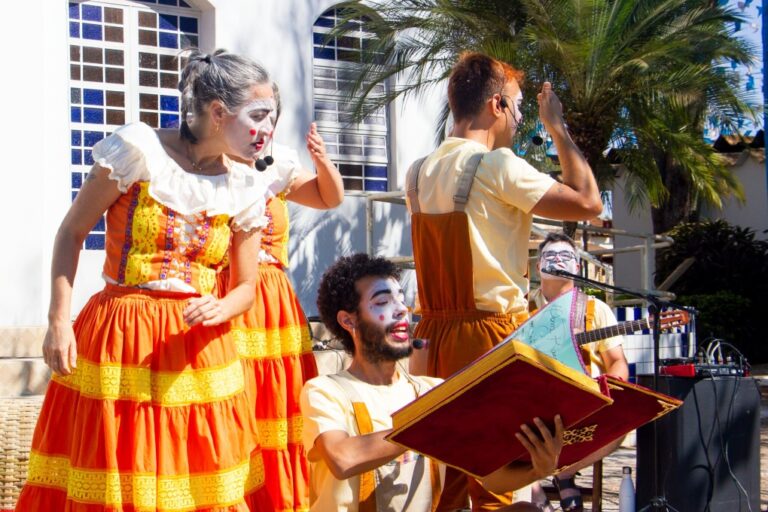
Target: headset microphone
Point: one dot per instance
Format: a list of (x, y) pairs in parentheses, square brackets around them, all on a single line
[(263, 163)]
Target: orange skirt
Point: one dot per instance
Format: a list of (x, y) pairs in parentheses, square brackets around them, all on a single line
[(274, 342), (154, 417)]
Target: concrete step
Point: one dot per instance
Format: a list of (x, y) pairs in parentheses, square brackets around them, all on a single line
[(24, 341), (23, 377)]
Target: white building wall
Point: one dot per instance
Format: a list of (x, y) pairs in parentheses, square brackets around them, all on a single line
[(37, 190), (753, 212)]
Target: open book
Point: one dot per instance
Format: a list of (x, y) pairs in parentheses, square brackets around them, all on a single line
[(469, 420)]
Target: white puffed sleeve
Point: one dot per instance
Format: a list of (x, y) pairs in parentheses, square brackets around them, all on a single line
[(129, 153), (285, 169), (251, 193)]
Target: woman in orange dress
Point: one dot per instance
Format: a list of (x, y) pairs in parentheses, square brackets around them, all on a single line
[(147, 410), (273, 336)]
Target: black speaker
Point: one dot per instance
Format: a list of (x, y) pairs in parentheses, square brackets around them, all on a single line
[(709, 448)]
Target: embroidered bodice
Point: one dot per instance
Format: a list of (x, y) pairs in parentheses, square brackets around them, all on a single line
[(280, 176), (170, 229)]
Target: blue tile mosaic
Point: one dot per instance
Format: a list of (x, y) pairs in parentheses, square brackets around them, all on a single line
[(168, 40), (182, 3), (319, 39), (375, 186), (169, 103), (91, 31), (87, 157), (77, 179), (93, 97), (74, 11), (93, 115), (375, 171), (74, 194), (168, 2), (77, 138), (188, 25), (74, 29), (325, 53), (77, 157), (100, 226), (91, 138), (94, 241), (74, 114), (168, 22), (325, 22), (91, 12), (169, 120), (74, 95)]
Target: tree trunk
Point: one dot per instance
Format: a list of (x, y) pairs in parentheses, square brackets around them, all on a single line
[(677, 208)]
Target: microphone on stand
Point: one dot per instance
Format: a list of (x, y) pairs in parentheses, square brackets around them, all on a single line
[(551, 270)]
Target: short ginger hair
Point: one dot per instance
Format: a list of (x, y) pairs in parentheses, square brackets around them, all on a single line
[(475, 78)]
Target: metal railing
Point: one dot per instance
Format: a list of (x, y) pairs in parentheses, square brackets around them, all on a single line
[(648, 243)]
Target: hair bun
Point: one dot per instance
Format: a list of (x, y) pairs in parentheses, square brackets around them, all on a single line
[(207, 58)]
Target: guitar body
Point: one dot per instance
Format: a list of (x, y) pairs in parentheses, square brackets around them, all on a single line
[(551, 329), (557, 329)]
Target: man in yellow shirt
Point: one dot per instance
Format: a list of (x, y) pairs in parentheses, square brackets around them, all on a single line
[(472, 203), (347, 415), (558, 251)]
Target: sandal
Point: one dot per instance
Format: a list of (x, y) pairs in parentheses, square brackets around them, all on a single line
[(571, 503)]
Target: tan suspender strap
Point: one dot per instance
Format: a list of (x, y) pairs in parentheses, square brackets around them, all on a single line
[(434, 476), (367, 493), (412, 184), (589, 317), (464, 184)]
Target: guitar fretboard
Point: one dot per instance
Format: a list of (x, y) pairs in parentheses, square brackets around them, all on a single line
[(614, 330)]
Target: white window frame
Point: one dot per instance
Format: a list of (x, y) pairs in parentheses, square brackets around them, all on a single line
[(333, 130), (130, 87)]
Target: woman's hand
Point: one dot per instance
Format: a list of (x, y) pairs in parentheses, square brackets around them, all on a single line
[(207, 310), (60, 348), (315, 144)]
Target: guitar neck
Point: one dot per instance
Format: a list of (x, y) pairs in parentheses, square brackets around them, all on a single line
[(614, 330)]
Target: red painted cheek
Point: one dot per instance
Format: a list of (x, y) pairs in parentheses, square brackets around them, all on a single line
[(252, 132), (381, 318)]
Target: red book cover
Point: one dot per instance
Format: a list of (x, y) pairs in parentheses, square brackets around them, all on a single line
[(633, 406), (469, 420)]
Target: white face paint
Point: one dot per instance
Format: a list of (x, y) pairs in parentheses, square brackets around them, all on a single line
[(251, 126), (382, 304), (559, 256)]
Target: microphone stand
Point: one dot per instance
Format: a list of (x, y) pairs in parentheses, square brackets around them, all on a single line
[(655, 301)]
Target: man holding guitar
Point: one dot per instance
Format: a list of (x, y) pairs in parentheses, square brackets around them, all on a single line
[(605, 356)]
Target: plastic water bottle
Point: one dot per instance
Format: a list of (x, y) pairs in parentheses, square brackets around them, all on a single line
[(626, 491)]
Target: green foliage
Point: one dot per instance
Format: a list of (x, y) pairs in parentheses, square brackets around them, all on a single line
[(595, 292), (727, 316), (728, 282), (634, 74)]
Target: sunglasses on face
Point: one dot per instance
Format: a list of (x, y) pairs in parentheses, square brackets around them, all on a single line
[(563, 255)]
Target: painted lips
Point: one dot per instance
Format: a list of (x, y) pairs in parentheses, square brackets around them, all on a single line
[(400, 331)]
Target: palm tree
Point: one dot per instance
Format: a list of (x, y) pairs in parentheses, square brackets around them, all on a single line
[(641, 72)]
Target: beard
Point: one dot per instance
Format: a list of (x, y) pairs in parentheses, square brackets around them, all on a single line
[(375, 346)]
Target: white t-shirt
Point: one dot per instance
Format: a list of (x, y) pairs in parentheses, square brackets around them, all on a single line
[(404, 483)]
